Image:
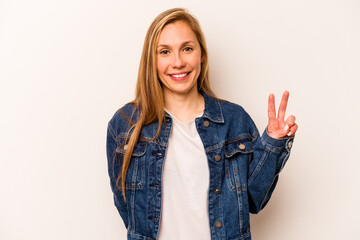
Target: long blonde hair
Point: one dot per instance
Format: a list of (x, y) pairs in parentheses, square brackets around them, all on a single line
[(149, 99)]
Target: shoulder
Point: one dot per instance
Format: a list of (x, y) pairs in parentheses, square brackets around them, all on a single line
[(237, 118), (232, 110), (123, 119)]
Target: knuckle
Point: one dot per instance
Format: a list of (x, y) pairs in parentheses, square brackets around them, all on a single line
[(291, 119)]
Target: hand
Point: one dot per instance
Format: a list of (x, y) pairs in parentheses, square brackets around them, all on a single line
[(277, 127)]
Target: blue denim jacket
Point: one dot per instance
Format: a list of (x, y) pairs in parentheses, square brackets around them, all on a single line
[(244, 169)]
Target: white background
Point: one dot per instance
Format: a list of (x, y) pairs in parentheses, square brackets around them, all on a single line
[(67, 66)]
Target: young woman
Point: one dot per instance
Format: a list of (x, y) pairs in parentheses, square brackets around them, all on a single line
[(184, 164)]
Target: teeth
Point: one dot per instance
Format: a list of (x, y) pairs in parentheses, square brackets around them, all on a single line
[(179, 75)]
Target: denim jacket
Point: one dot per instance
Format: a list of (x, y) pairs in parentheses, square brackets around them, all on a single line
[(244, 168)]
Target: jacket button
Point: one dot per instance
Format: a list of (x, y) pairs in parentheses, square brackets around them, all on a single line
[(206, 123), (217, 158), (290, 144), (218, 224), (218, 191), (117, 149), (242, 146), (125, 146)]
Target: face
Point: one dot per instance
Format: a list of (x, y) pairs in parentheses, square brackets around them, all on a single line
[(178, 59)]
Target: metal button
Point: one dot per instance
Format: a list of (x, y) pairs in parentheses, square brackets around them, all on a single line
[(218, 224), (125, 146), (242, 146), (218, 191), (217, 158), (290, 144), (206, 123)]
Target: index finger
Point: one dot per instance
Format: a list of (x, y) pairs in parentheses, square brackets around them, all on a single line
[(271, 107), (283, 104)]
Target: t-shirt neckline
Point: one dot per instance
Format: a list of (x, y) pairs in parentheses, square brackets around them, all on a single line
[(183, 123)]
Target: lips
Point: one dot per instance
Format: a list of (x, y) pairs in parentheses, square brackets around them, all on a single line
[(179, 76)]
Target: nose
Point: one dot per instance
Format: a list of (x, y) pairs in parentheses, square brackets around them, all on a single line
[(178, 61)]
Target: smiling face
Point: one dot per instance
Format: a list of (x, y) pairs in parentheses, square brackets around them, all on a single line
[(178, 59)]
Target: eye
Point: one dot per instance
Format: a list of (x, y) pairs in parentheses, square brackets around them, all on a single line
[(188, 49), (164, 52)]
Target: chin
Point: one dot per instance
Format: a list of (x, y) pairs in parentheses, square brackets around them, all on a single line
[(184, 90)]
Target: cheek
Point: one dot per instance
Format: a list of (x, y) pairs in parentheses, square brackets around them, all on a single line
[(196, 61), (161, 66)]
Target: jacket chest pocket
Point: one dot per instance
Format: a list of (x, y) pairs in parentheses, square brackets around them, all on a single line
[(237, 156), (135, 176)]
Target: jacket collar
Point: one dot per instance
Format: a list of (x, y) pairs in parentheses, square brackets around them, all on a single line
[(212, 109)]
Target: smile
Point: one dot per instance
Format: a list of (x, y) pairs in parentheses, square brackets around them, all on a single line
[(180, 76)]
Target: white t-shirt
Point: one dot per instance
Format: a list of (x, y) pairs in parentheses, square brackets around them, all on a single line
[(185, 186)]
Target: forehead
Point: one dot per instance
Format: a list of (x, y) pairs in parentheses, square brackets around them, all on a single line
[(176, 33)]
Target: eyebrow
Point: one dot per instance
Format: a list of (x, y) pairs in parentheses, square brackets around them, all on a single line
[(167, 46)]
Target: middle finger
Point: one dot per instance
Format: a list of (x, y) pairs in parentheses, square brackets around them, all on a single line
[(283, 104)]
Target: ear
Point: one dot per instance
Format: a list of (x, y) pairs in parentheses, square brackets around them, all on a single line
[(202, 59)]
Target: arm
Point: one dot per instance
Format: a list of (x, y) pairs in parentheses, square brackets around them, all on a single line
[(269, 158), (271, 151), (114, 162)]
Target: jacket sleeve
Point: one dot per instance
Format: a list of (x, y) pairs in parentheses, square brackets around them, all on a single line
[(114, 160), (269, 158)]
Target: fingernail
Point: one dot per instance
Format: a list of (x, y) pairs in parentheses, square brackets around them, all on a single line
[(286, 127), (289, 134)]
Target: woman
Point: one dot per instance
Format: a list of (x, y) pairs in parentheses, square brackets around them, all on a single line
[(184, 164)]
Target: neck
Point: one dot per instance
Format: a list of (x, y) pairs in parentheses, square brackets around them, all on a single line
[(185, 107)]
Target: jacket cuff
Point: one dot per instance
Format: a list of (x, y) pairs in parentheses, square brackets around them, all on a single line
[(276, 144)]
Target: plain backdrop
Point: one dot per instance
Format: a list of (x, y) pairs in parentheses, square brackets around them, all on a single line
[(67, 66)]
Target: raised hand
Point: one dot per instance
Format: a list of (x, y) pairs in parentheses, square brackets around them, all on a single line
[(277, 127)]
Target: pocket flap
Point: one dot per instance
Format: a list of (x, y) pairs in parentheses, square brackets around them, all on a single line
[(243, 145), (139, 150)]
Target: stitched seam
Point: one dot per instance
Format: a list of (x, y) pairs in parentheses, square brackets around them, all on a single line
[(270, 147), (240, 189), (123, 136), (138, 153), (133, 209), (112, 132), (142, 169), (256, 135), (227, 174), (219, 145), (219, 109), (157, 142), (141, 236), (258, 167), (134, 176), (128, 120), (238, 194), (133, 187), (244, 236), (250, 150), (267, 193), (231, 140), (236, 175), (228, 178)]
